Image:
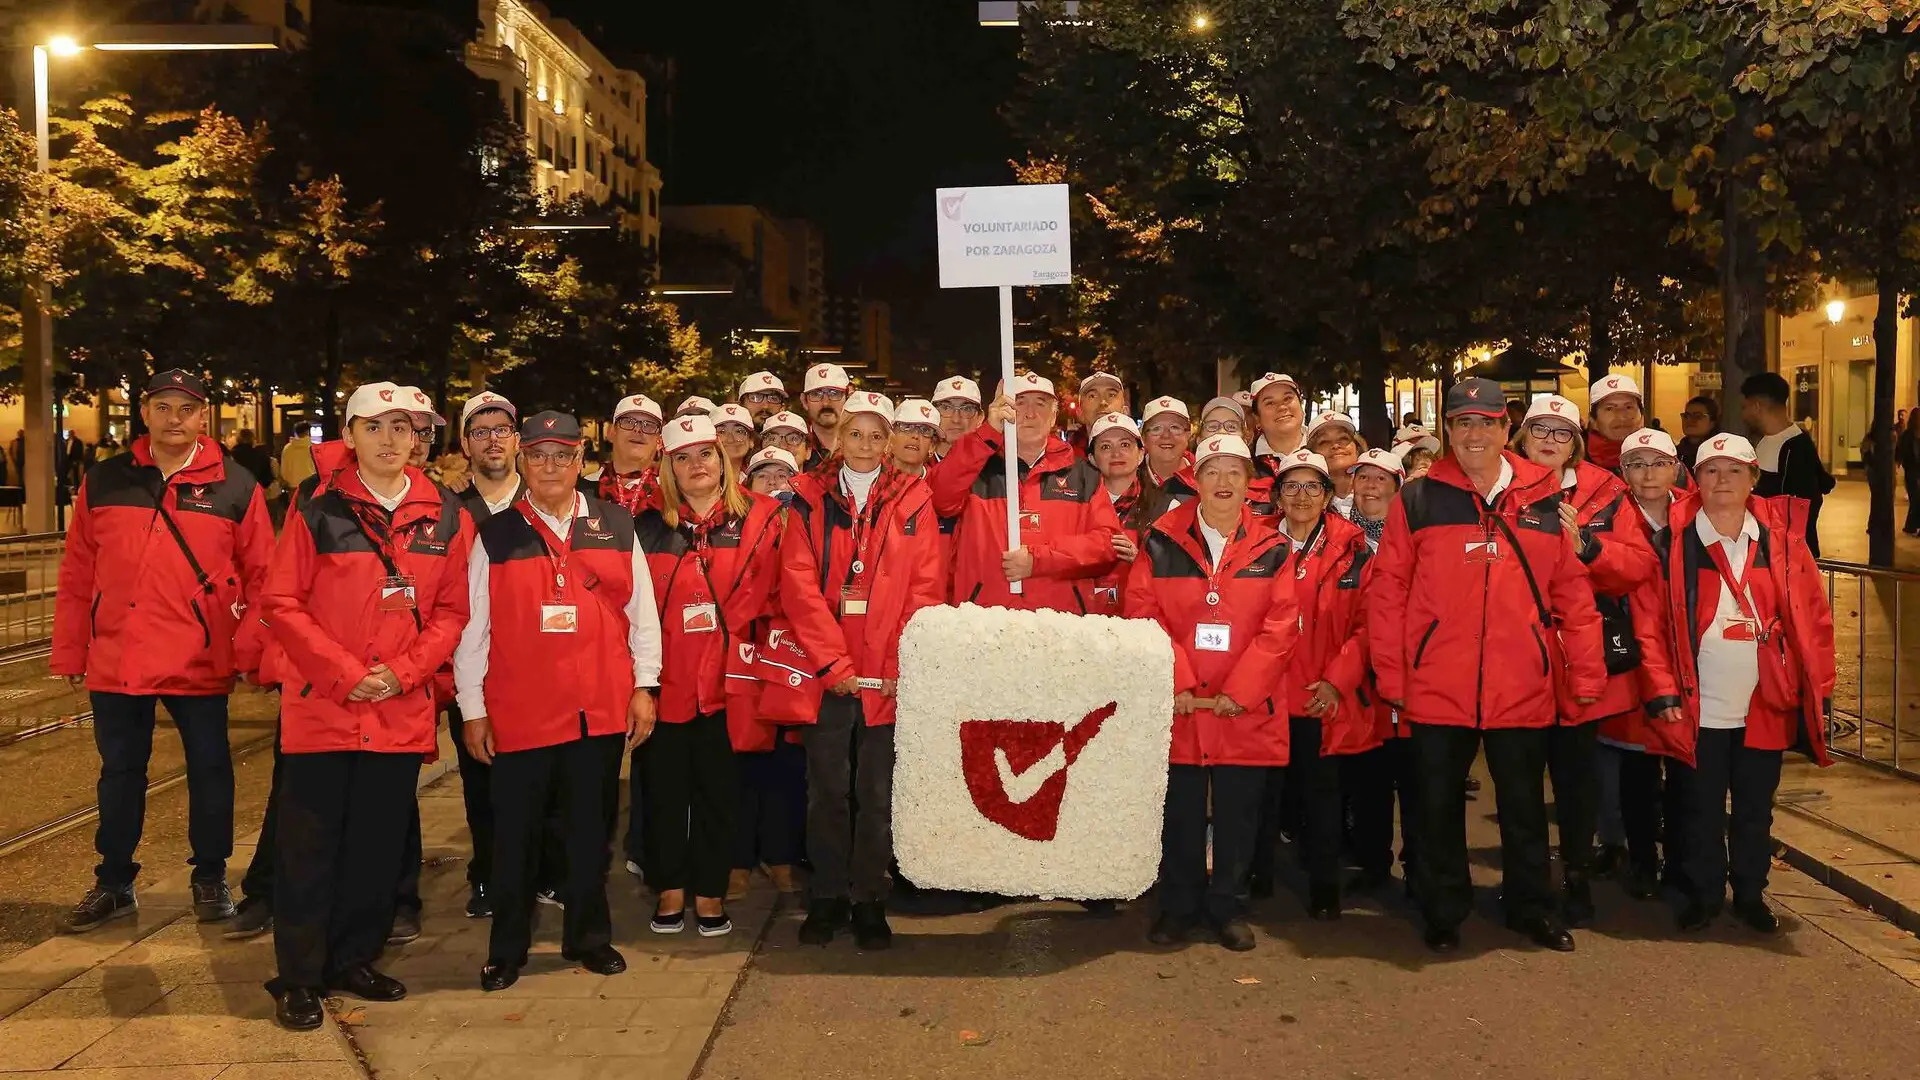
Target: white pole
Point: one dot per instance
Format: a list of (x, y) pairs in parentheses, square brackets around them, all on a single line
[(36, 353), (1013, 450)]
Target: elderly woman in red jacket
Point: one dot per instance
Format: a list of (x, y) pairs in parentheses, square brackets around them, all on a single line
[(859, 556), (1740, 668), (1599, 520), (1213, 575)]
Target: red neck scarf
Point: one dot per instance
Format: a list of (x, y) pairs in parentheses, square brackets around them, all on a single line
[(632, 492), (1603, 451)]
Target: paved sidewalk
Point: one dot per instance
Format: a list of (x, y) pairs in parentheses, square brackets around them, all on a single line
[(1857, 830)]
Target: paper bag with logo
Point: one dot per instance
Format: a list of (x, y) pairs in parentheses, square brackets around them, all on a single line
[(1031, 752)]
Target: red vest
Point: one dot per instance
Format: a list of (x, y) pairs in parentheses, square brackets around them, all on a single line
[(544, 689)]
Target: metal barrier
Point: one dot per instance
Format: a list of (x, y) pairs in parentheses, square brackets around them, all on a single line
[(29, 570), (1876, 690)]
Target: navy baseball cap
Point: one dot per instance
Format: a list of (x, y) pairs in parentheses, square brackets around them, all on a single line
[(554, 427), (179, 379), (1476, 397)]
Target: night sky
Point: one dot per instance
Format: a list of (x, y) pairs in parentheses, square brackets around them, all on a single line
[(846, 112)]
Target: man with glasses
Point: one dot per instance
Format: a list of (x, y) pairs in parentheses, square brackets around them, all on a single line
[(785, 431), (631, 479), (825, 400), (1616, 411), (763, 394), (958, 400)]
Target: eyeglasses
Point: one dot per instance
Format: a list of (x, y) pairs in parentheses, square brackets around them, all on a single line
[(1303, 487), (964, 408), (738, 431), (1550, 433), (1695, 414), (1218, 427), (763, 397), (1646, 466), (921, 430), (1170, 428), (827, 394), (549, 457), (497, 434), (637, 423), (786, 440)]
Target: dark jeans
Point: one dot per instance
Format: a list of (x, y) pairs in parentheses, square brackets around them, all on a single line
[(1912, 481), (576, 778), (694, 788), (1717, 840), (1315, 780), (1517, 760), (123, 733), (257, 885), (1375, 778), (773, 807), (1653, 806), (636, 842), (1186, 890), (849, 802), (476, 794), (1573, 764), (340, 838)]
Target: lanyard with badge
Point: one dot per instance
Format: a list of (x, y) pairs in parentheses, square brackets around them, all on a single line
[(1215, 636), (396, 588), (858, 589), (701, 615), (1746, 625), (559, 616)]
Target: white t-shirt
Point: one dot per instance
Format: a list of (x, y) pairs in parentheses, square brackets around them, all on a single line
[(1768, 448), (1729, 670), (858, 485), (1216, 541), (1343, 505)]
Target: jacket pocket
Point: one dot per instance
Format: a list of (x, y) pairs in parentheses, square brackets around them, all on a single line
[(1424, 638), (1779, 681), (1546, 668)]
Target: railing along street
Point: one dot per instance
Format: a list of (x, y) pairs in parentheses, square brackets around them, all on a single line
[(29, 570), (1876, 707)]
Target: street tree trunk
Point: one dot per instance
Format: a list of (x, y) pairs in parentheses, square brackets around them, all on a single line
[(1743, 269), (1600, 334), (329, 403), (1886, 339), (1375, 426)]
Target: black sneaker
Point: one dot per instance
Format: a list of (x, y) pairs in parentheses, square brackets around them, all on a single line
[(1757, 916), (669, 924), (870, 929), (212, 901), (548, 897), (100, 906), (479, 904), (824, 919), (253, 918), (1171, 929), (1576, 900), (713, 925), (406, 927), (1236, 935)]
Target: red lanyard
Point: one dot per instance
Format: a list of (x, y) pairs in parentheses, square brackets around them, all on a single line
[(1213, 572), (863, 521), (557, 549), (1718, 552)]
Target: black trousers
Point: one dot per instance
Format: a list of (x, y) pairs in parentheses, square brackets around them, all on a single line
[(1186, 889), (476, 795), (575, 778), (1278, 811), (257, 885), (1912, 480), (123, 734), (849, 802), (1653, 807), (1374, 779), (636, 842), (1717, 841), (1517, 760), (339, 841), (693, 793), (773, 807), (1573, 764), (1315, 783)]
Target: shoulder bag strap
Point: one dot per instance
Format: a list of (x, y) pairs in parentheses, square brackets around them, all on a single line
[(160, 505)]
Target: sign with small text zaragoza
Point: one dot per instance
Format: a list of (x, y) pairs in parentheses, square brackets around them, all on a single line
[(991, 236)]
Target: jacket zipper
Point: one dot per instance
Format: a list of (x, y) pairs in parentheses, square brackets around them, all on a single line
[(1541, 644), (1424, 638), (206, 635), (1480, 662), (93, 616)]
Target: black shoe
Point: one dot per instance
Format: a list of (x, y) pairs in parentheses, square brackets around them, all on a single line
[(479, 904), (1757, 916), (668, 924), (368, 985), (601, 960), (824, 919), (1323, 903), (406, 927), (212, 902), (1370, 881), (1576, 900), (1443, 939), (870, 929), (1235, 935), (298, 1009), (1102, 909), (1171, 929), (100, 906), (1608, 859), (1643, 882), (499, 976), (713, 925), (1544, 930), (1697, 916), (1260, 886), (252, 919), (1472, 785)]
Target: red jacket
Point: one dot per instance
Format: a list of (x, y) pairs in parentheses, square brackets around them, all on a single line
[(1453, 628), (1329, 579), (130, 612), (1169, 583), (1618, 560), (1067, 522), (902, 575), (731, 563), (1795, 694), (322, 603)]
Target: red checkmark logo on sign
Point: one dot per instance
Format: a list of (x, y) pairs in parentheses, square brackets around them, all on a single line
[(1016, 770)]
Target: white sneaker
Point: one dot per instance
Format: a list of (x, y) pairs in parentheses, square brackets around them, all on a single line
[(547, 896), (634, 869)]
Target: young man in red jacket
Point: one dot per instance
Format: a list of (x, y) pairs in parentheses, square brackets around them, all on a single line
[(1067, 523), (169, 545), (1473, 576), (367, 596)]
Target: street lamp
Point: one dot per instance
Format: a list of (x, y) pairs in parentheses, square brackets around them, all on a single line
[(36, 323), (1201, 22), (1836, 310)]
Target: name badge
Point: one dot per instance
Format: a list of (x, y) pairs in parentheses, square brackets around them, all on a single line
[(1212, 637), (870, 684), (1483, 551), (559, 619), (1739, 630), (853, 599), (396, 594), (699, 618), (1029, 522)]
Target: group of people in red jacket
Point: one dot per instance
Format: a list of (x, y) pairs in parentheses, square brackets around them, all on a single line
[(1350, 627)]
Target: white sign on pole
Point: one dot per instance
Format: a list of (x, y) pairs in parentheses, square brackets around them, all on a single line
[(1003, 237)]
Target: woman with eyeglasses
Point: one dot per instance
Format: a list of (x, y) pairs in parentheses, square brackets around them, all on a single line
[(1325, 720), (786, 431), (1227, 416), (712, 548), (631, 477), (1699, 421), (1167, 431), (1600, 522), (733, 424), (1116, 451)]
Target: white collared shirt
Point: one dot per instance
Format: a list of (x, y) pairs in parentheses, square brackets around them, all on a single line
[(1656, 519), (1729, 669), (1343, 505), (470, 658), (1216, 541), (1262, 446), (1501, 485), (168, 474), (389, 504)]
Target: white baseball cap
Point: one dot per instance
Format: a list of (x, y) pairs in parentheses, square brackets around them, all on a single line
[(1101, 376), (1611, 385), (700, 405), (957, 388), (786, 421), (380, 398), (481, 402), (687, 431), (1266, 382), (638, 405), (1110, 422), (732, 414), (772, 455), (1414, 437), (1162, 405), (1331, 418), (1726, 446), (1029, 383), (1650, 439), (1384, 460), (827, 377), (1301, 459), (422, 404), (1221, 446), (1553, 407), (917, 411), (1245, 398), (866, 401), (762, 382), (1233, 403)]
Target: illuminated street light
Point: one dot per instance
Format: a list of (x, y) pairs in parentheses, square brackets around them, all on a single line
[(63, 46), (1201, 22), (1836, 310)]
